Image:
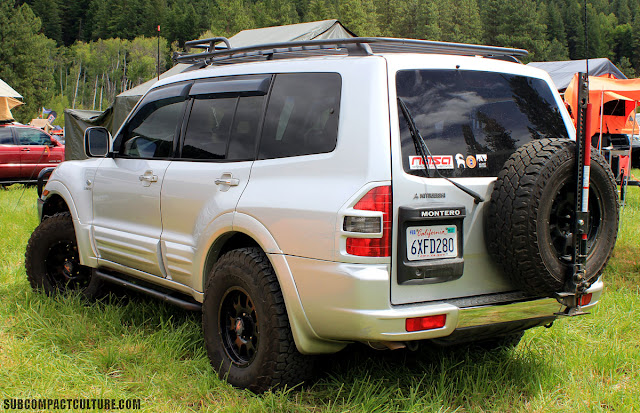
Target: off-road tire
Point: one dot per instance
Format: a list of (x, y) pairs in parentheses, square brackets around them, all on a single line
[(52, 260), (273, 360), (523, 224)]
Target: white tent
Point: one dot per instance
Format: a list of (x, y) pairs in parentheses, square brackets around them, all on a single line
[(8, 100)]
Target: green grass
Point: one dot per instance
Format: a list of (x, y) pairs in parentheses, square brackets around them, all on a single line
[(139, 348)]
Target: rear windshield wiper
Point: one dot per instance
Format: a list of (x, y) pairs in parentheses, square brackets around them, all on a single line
[(423, 150)]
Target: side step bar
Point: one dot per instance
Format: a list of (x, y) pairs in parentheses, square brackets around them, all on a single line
[(163, 296)]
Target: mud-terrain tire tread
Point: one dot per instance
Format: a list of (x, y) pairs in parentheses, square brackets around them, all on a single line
[(511, 219), (282, 365), (51, 228)]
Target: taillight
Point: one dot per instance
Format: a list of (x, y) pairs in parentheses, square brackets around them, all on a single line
[(585, 299), (378, 199), (430, 322)]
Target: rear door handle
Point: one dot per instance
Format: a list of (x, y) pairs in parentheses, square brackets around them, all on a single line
[(148, 177), (227, 179), (25, 150)]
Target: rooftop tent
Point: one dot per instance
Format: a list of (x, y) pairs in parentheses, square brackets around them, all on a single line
[(325, 29), (623, 93), (562, 72), (78, 120), (8, 100)]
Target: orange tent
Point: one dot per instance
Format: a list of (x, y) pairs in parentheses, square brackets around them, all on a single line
[(616, 98)]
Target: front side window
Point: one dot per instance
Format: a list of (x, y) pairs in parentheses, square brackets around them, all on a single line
[(151, 131), (208, 128), (27, 136), (223, 128), (302, 115), (473, 121)]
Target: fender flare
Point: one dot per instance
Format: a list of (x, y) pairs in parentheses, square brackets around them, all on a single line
[(86, 248)]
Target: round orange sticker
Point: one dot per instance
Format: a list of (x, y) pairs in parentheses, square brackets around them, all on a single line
[(471, 161)]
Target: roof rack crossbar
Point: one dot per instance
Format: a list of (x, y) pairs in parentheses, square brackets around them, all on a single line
[(355, 46), (208, 44)]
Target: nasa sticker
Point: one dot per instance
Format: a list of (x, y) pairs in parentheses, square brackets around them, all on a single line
[(481, 160)]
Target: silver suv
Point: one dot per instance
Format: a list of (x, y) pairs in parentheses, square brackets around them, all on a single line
[(308, 195)]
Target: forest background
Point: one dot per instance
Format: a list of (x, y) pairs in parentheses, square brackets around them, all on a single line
[(82, 53)]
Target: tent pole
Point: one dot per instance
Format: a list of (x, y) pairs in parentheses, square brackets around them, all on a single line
[(601, 116)]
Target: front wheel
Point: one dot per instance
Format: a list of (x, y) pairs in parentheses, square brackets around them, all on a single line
[(52, 261), (245, 325)]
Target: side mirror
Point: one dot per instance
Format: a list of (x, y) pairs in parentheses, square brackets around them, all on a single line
[(96, 142)]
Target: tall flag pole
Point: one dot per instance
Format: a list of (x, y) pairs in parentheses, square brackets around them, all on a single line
[(158, 52)]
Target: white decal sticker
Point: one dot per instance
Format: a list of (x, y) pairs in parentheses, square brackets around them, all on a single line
[(436, 161), (482, 160), (460, 162)]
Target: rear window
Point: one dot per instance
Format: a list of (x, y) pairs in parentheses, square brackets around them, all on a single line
[(473, 121)]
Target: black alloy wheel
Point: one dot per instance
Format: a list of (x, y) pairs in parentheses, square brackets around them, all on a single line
[(239, 326), (62, 266), (561, 221)]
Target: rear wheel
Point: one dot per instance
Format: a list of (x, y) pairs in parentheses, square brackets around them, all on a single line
[(246, 327), (52, 261)]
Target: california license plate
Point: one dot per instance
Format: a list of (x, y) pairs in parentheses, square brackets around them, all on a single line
[(432, 242)]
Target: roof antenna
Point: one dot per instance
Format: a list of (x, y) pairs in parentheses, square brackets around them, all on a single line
[(586, 38)]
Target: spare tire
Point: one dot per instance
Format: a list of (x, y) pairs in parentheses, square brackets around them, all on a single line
[(529, 219)]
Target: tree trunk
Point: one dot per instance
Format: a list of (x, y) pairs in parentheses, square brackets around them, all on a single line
[(101, 87), (75, 95), (95, 93)]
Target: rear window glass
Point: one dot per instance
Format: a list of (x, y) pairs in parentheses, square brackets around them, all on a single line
[(5, 137), (473, 121), (302, 115)]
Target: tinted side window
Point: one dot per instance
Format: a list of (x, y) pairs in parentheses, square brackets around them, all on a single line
[(302, 115), (151, 130), (245, 128), (208, 128), (28, 136), (5, 137), (223, 128)]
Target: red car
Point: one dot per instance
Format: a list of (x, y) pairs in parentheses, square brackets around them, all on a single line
[(25, 151)]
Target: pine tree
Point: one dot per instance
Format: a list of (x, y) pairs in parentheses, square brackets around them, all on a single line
[(359, 16), (26, 56), (460, 22)]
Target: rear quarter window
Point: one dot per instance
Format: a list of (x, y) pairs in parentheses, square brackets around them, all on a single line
[(6, 138), (472, 121), (302, 115)]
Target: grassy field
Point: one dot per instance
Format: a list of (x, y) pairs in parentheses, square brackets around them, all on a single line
[(142, 349)]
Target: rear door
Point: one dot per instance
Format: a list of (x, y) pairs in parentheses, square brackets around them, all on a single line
[(126, 189), (206, 180), (9, 155), (471, 121)]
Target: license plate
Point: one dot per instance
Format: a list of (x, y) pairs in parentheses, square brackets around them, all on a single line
[(432, 242)]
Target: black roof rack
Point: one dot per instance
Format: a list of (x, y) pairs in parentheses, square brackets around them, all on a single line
[(355, 46)]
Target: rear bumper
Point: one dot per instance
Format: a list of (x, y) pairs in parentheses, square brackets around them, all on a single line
[(350, 302)]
